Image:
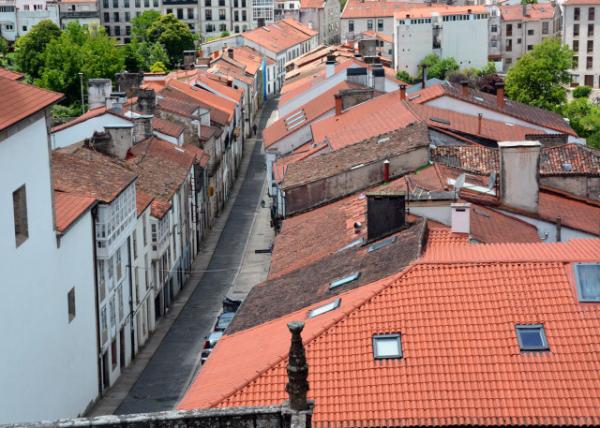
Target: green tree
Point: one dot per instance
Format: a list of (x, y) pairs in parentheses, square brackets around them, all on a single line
[(29, 49), (584, 118), (158, 67), (438, 67), (174, 35), (405, 77), (582, 91), (100, 56), (141, 23), (489, 68), (538, 78)]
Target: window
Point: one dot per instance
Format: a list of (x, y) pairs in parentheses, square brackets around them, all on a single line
[(509, 30), (344, 280), (115, 3), (138, 3), (355, 243), (155, 3), (545, 27), (190, 13), (135, 251), (208, 16), (20, 215), (529, 47), (113, 353), (532, 338), (221, 3), (179, 13), (576, 14), (222, 27), (324, 308), (575, 29), (105, 4), (116, 16), (590, 46), (589, 62), (369, 24), (24, 27), (380, 25), (127, 32), (508, 45), (383, 243), (519, 26), (591, 14), (590, 30), (146, 3), (169, 11), (71, 303), (126, 3), (146, 266), (101, 278), (575, 62), (106, 17), (575, 45), (518, 41), (351, 26), (386, 346), (494, 28), (107, 29), (207, 3), (244, 18), (530, 32), (119, 265), (222, 15), (587, 276)]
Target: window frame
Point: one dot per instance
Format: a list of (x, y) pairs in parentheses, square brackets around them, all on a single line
[(387, 336), (578, 283), (540, 327), (20, 215), (320, 310), (71, 304), (343, 280)]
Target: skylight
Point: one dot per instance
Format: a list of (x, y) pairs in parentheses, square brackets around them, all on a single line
[(355, 243), (344, 280), (386, 346), (479, 98), (325, 308), (587, 276), (567, 166), (383, 243), (532, 338)]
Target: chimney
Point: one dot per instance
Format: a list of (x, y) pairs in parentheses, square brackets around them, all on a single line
[(558, 229), (357, 75), (116, 101), (338, 104), (519, 174), (98, 92), (461, 218), (129, 82), (230, 53), (479, 120), (500, 94), (386, 171), (385, 214), (143, 128), (146, 102), (260, 22), (330, 66), (524, 5), (189, 59), (114, 141), (378, 78), (423, 76), (402, 91), (464, 88), (297, 369)]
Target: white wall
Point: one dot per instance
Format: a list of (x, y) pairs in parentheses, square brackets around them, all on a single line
[(48, 369), (466, 41), (79, 132), (413, 43)]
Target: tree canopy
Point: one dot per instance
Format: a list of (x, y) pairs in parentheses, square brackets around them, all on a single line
[(539, 76), (173, 35), (584, 118), (141, 23), (438, 67), (29, 49)]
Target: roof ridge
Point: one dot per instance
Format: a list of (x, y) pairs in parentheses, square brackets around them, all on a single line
[(306, 341)]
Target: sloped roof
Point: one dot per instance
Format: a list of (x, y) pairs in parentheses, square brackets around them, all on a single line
[(10, 74), (69, 207), (375, 8), (24, 100), (439, 9), (535, 12), (312, 4), (167, 127), (456, 312), (222, 110), (281, 35)]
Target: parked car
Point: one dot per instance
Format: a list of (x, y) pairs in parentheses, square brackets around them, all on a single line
[(224, 320), (212, 339), (230, 305)]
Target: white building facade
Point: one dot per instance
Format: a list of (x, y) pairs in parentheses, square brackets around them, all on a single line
[(581, 33)]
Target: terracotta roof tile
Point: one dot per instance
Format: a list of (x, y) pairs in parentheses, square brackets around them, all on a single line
[(441, 10), (24, 100), (581, 2), (470, 158), (570, 159), (85, 172), (10, 74), (177, 102), (167, 127), (68, 207), (279, 36), (461, 360), (142, 201), (375, 8), (512, 108), (535, 12), (217, 85), (305, 151), (222, 110), (312, 4)]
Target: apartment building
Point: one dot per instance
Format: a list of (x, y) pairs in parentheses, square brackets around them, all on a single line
[(523, 27), (447, 31), (359, 16), (84, 12), (581, 33), (18, 16)]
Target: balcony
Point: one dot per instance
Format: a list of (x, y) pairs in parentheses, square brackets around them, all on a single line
[(69, 14)]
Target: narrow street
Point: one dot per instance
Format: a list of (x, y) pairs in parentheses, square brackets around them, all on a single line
[(172, 367)]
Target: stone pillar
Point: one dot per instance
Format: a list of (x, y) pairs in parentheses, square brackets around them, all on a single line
[(297, 386)]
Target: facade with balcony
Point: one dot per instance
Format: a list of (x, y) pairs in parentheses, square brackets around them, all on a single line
[(84, 12)]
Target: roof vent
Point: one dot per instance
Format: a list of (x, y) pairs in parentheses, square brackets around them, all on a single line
[(357, 227)]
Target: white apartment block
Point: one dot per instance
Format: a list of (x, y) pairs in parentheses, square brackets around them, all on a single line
[(48, 311), (84, 12), (18, 16), (523, 27), (581, 33), (460, 32)]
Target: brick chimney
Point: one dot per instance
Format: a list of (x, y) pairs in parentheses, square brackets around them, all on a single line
[(461, 217), (338, 104), (500, 94), (330, 66), (479, 120), (385, 214), (386, 171), (464, 88), (402, 87), (519, 174), (424, 77), (297, 369)]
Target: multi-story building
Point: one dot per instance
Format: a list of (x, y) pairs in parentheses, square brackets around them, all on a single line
[(116, 15), (18, 16), (359, 16), (523, 27), (85, 12), (581, 33), (48, 311), (448, 31), (322, 16)]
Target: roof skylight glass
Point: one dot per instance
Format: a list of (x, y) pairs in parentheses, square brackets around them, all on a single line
[(325, 308), (356, 243), (387, 346), (344, 280), (383, 243), (532, 338), (587, 276)]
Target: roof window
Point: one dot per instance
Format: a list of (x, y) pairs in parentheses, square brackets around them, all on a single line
[(383, 243), (344, 280), (567, 166), (532, 337), (587, 276), (387, 346), (356, 243), (324, 308)]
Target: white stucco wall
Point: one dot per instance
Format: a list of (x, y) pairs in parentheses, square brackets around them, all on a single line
[(79, 132)]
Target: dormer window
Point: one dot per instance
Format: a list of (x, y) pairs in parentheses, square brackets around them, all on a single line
[(532, 337), (387, 346), (587, 276)]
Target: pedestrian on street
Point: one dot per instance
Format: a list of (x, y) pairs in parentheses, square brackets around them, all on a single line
[(254, 128)]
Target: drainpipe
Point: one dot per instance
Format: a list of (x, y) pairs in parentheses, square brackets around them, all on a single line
[(97, 300), (131, 313), (558, 229)]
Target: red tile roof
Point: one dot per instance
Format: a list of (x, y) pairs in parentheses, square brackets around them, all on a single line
[(535, 12), (222, 110), (305, 115), (575, 213), (527, 113), (217, 85), (442, 10), (570, 159), (375, 8), (281, 35), (167, 127), (10, 75), (69, 207), (377, 116), (581, 2), (312, 4), (179, 103), (303, 152), (461, 361), (250, 58), (142, 201), (24, 100)]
